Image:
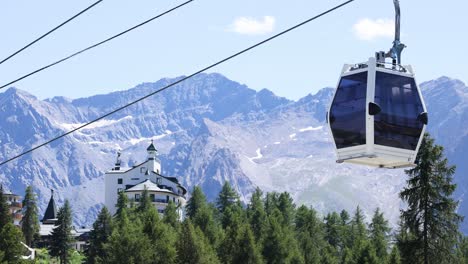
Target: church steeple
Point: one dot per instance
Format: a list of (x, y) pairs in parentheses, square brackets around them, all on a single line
[(50, 215), (152, 152)]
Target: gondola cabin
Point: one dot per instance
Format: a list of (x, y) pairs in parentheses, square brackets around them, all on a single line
[(377, 116)]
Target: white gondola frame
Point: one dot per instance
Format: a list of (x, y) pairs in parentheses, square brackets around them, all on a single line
[(370, 153)]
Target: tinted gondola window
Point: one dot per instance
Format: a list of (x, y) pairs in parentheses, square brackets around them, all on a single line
[(397, 125), (348, 111)]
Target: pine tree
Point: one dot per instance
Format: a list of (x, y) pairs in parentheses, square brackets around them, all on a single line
[(61, 237), (102, 230), (367, 255), (227, 197), (332, 230), (358, 232), (122, 203), (5, 216), (30, 222), (256, 215), (310, 234), (287, 207), (161, 236), (379, 234), (205, 220), (10, 238), (430, 223), (248, 251), (394, 257), (192, 246), (171, 216), (197, 201), (128, 243), (145, 202), (280, 245)]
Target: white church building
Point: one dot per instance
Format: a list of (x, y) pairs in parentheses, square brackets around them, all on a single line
[(145, 175)]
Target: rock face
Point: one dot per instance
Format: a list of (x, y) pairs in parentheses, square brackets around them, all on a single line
[(209, 130)]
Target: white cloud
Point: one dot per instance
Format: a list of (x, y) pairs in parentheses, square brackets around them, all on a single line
[(368, 29), (252, 26)]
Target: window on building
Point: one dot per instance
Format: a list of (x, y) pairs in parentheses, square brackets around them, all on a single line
[(142, 170), (167, 199), (153, 199), (119, 181), (135, 179), (173, 199), (137, 197)]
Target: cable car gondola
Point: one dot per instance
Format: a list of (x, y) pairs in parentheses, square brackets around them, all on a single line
[(377, 116)]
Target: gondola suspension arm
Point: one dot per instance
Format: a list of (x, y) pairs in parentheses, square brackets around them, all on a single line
[(397, 48)]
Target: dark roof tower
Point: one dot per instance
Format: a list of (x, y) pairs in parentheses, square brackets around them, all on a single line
[(50, 214), (151, 147)]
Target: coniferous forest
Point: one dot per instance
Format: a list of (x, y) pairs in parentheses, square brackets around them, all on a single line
[(270, 228)]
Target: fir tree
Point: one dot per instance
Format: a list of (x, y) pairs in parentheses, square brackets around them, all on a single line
[(310, 234), (161, 236), (5, 216), (332, 230), (102, 230), (145, 202), (205, 220), (358, 232), (379, 234), (256, 215), (430, 223), (30, 221), (61, 237), (248, 251), (271, 202), (197, 201), (394, 257), (193, 247), (367, 255), (10, 243), (122, 202), (171, 216), (280, 245), (227, 197), (128, 243), (287, 207)]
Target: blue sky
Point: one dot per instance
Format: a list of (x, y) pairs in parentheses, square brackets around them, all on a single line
[(205, 31)]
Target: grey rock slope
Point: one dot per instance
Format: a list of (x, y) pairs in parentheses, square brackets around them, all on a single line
[(209, 130)]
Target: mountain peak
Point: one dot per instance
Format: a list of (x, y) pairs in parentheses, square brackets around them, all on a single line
[(13, 91)]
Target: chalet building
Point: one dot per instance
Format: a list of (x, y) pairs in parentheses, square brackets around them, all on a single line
[(15, 206), (80, 235), (146, 175)]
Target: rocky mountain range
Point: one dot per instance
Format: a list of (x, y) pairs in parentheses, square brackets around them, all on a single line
[(208, 130)]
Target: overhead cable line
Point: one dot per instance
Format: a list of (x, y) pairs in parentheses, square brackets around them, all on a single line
[(96, 45), (178, 81), (52, 30)]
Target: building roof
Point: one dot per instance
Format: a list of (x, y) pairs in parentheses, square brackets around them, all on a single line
[(149, 185), (151, 147), (51, 211)]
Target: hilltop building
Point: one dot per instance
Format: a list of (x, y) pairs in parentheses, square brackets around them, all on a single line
[(15, 206), (146, 175)]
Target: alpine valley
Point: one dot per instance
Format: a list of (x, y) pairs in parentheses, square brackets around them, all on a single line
[(208, 130)]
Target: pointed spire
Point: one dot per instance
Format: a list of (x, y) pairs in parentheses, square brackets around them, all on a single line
[(51, 211), (151, 147)]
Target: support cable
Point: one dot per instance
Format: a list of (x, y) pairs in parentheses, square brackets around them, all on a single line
[(95, 45), (178, 81), (49, 32)]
